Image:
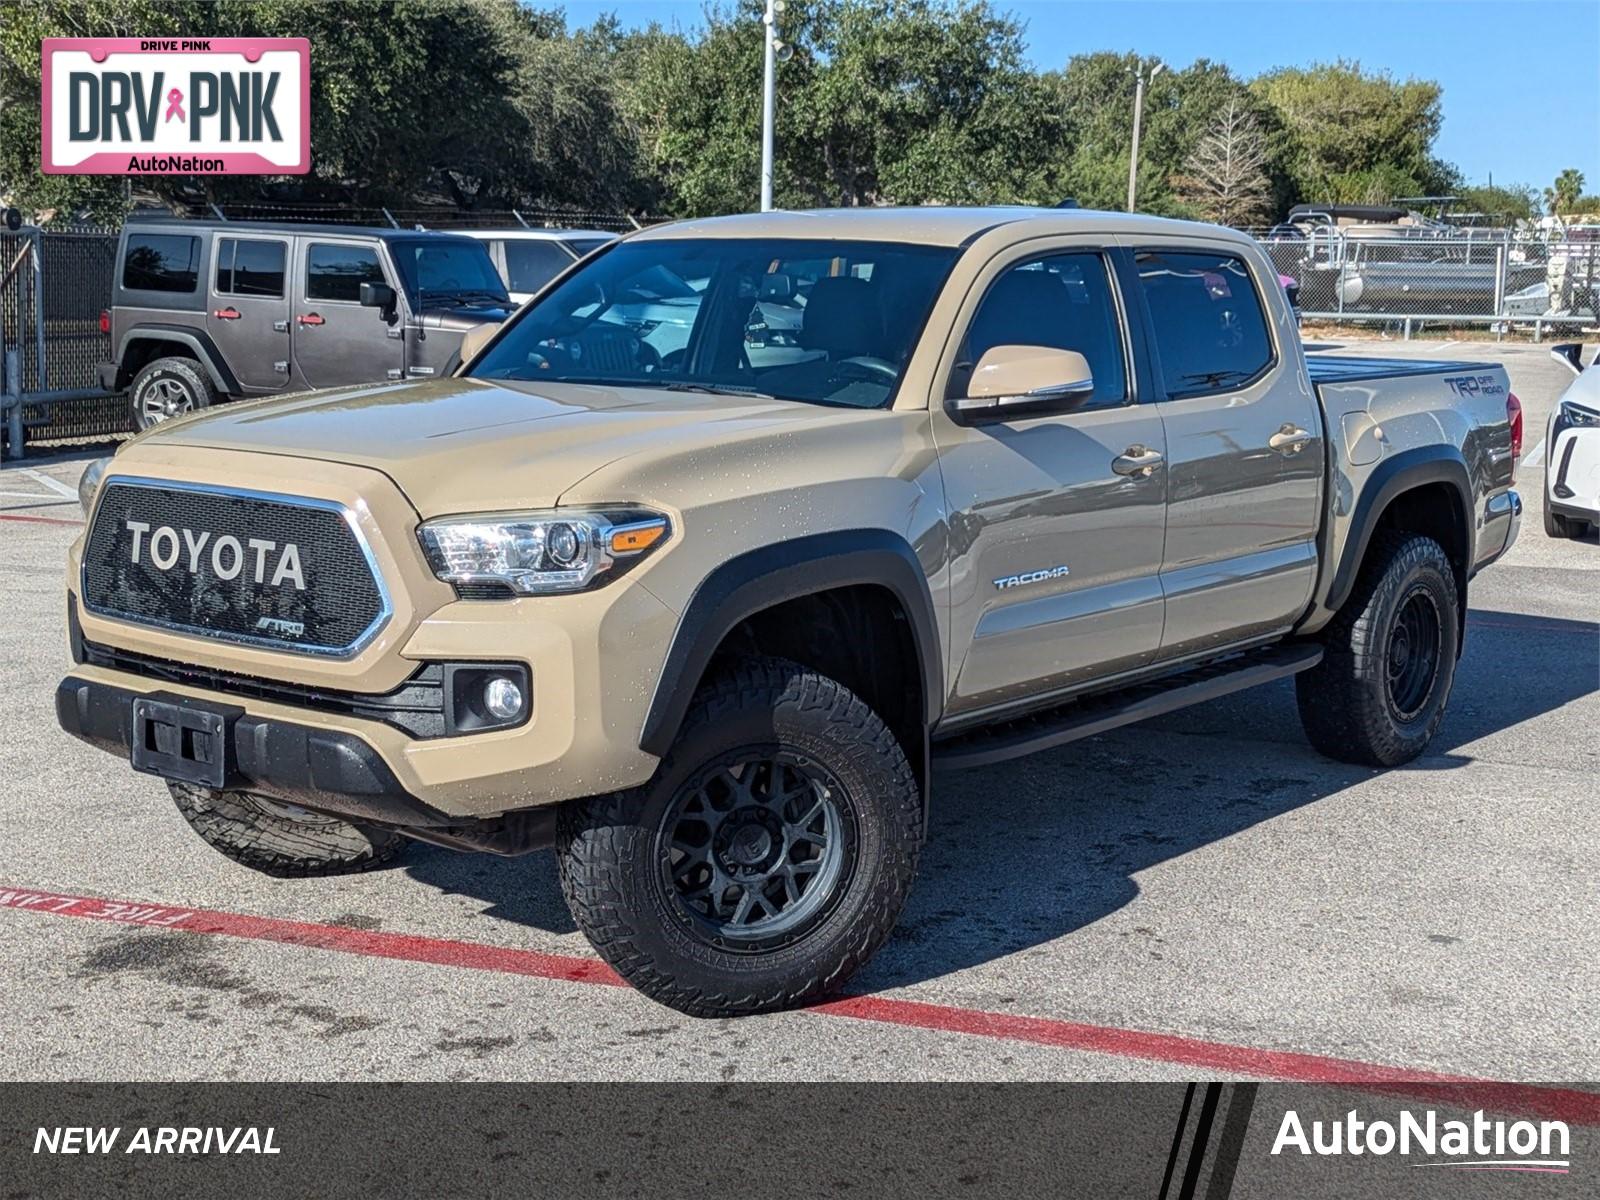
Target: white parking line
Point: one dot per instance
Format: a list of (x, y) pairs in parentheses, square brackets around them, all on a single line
[(1535, 456), (55, 485)]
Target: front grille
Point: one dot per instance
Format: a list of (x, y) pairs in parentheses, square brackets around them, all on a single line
[(416, 706), (251, 567)]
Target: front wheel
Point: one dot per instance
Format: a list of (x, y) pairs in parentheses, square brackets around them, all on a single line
[(767, 859), (277, 838), (1378, 696)]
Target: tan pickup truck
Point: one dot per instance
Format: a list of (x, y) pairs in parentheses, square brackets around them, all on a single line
[(707, 558)]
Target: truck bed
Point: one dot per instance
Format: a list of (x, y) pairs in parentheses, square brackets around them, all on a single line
[(1328, 368)]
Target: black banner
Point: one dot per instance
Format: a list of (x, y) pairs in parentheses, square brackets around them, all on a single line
[(1156, 1141)]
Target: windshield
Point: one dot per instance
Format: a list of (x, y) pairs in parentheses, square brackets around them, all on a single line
[(448, 269), (821, 322)]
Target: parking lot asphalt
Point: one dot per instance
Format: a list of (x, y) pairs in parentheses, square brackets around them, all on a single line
[(1199, 894)]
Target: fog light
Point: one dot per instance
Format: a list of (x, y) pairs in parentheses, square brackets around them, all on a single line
[(502, 698)]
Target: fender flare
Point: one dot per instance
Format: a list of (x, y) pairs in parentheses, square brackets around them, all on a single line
[(761, 578), (1393, 476), (196, 339)]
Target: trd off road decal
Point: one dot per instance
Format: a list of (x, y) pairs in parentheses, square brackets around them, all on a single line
[(162, 106)]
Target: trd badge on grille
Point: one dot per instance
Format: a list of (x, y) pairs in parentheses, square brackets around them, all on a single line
[(227, 557), (281, 627)]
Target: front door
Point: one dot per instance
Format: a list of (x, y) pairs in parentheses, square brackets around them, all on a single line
[(336, 340), (248, 315), (1245, 449), (1055, 542)]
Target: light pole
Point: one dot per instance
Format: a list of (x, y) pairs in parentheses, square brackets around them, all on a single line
[(1138, 113), (776, 51)]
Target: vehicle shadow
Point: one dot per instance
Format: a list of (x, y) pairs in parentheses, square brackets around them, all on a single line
[(1023, 853)]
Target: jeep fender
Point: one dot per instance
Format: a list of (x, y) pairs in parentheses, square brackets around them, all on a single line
[(197, 340), (1392, 477), (759, 579)]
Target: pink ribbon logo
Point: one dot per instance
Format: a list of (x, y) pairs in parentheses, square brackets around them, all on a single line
[(175, 105)]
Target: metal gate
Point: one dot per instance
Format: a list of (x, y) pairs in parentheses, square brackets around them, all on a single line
[(53, 286)]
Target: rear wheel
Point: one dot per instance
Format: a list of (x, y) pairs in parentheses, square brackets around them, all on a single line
[(1379, 694), (282, 839), (167, 388), (767, 859)]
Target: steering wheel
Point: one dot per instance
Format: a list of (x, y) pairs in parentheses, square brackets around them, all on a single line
[(445, 285), (866, 367)]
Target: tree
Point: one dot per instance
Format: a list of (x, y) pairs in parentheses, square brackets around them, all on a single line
[(1354, 136), (884, 102), (1225, 176), (1564, 194), (1502, 205)]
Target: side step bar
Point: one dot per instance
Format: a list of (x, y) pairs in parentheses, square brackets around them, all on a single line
[(1090, 715)]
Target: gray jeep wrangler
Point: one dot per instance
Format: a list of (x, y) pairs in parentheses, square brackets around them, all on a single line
[(203, 311)]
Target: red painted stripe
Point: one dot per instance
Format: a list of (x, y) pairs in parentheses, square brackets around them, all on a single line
[(37, 520), (1570, 1105)]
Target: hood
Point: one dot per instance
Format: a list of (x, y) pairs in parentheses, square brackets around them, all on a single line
[(467, 445), (461, 318)]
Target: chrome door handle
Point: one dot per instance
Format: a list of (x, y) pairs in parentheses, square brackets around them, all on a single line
[(1290, 439), (1137, 460)]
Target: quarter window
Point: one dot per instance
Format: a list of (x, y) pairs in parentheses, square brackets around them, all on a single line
[(250, 268), (530, 265), (1210, 331), (1062, 301), (161, 263), (336, 272)]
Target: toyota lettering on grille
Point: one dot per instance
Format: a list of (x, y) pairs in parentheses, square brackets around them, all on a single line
[(168, 547)]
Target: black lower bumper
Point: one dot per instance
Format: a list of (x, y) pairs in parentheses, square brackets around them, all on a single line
[(322, 769)]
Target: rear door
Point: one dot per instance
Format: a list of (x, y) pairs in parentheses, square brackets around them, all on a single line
[(1245, 453), (1055, 548), (248, 319), (336, 340)]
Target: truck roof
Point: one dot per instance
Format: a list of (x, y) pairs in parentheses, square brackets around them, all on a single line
[(932, 225)]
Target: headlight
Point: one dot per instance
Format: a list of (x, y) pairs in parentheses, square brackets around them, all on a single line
[(89, 482), (1576, 414), (537, 553)]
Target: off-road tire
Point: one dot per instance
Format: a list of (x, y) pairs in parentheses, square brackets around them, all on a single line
[(183, 375), (279, 840), (1345, 701), (616, 884)]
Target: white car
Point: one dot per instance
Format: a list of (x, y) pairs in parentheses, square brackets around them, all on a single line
[(1572, 451), (527, 259)]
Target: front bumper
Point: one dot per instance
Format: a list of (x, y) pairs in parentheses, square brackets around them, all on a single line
[(1572, 482), (324, 769)]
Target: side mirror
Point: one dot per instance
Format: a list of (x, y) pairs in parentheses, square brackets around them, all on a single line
[(1568, 355), (474, 340), (379, 296), (1017, 380)]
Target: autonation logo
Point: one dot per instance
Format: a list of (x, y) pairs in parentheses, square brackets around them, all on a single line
[(1476, 1145)]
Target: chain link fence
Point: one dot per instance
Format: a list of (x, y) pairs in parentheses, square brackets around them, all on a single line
[(1491, 278)]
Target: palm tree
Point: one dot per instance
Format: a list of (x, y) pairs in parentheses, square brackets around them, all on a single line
[(1563, 197)]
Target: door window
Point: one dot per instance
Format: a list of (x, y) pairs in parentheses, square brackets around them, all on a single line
[(530, 265), (337, 271), (1062, 301), (1210, 331), (161, 263), (247, 268)]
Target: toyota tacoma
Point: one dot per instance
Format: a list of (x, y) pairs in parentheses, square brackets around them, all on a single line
[(703, 602)]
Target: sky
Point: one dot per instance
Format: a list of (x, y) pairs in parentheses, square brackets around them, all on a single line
[(1521, 78)]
